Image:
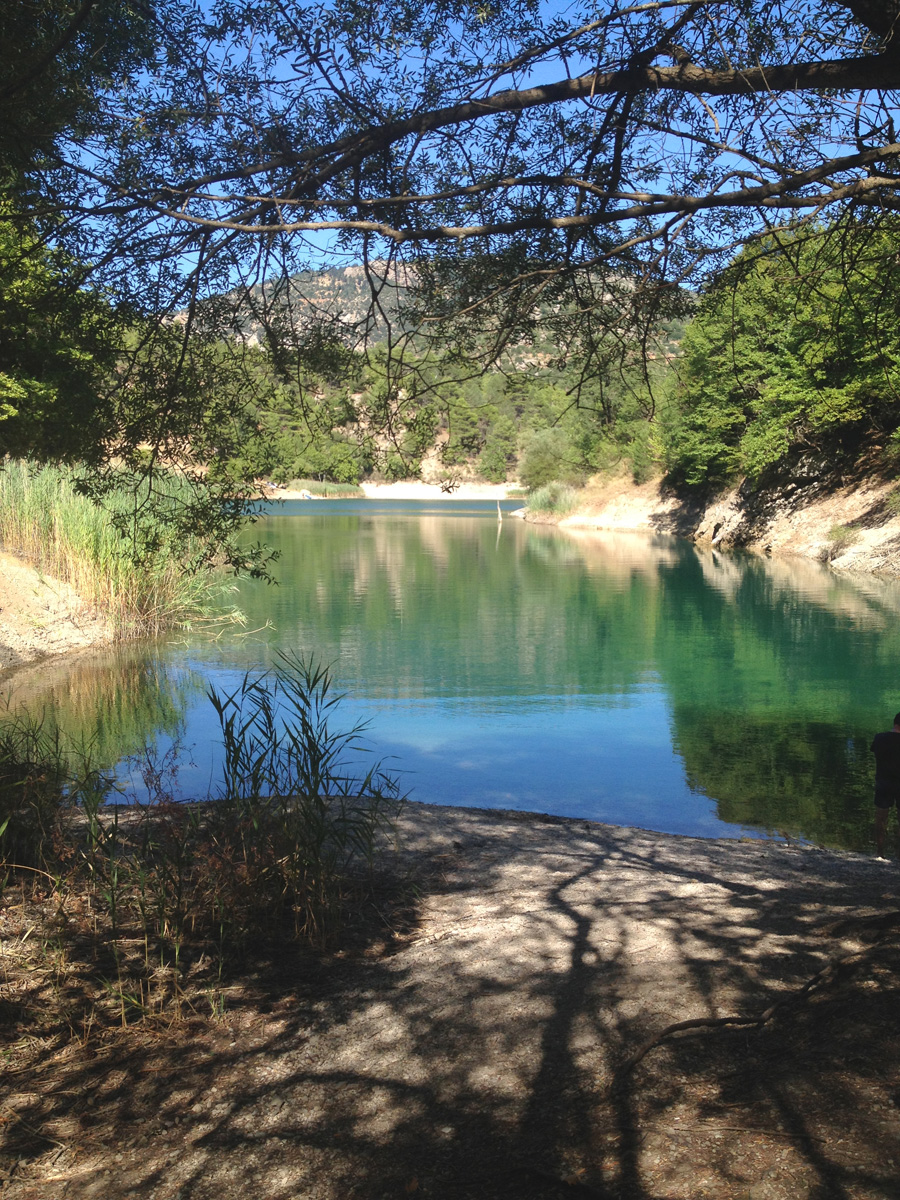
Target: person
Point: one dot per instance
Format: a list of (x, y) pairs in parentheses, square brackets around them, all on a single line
[(886, 748)]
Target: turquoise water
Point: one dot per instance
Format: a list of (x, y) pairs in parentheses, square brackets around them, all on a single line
[(620, 677)]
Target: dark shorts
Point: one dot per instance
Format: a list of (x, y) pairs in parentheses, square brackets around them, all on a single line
[(887, 795)]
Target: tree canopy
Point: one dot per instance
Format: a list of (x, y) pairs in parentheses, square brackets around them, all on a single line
[(495, 169), (796, 342), (649, 132)]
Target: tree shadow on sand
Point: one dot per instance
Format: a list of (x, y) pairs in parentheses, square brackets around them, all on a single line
[(476, 1053)]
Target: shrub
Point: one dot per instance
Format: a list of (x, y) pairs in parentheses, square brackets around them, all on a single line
[(840, 538), (326, 488), (554, 499), (548, 455), (152, 903), (45, 520), (33, 775), (288, 778)]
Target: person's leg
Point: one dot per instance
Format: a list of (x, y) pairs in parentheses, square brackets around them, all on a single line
[(881, 821)]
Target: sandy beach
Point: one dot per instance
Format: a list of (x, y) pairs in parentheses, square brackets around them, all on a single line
[(477, 1047)]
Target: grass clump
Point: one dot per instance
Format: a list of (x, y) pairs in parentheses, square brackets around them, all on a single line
[(840, 538), (330, 491), (45, 521), (288, 777), (553, 499), (148, 907), (33, 776)]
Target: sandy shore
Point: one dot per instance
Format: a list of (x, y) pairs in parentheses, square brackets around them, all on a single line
[(474, 1050), (40, 616)]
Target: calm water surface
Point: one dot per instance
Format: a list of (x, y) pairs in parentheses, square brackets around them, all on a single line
[(619, 677)]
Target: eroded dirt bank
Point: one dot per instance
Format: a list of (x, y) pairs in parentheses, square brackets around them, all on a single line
[(854, 526), (40, 616), (477, 1051)]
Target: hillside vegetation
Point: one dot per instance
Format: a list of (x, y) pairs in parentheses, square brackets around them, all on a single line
[(791, 350), (790, 353), (424, 408), (795, 346)]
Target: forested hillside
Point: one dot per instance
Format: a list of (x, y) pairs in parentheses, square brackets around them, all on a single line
[(530, 414), (549, 187), (792, 347)]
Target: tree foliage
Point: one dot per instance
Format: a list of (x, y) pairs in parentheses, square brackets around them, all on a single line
[(797, 340), (505, 175), (493, 159), (61, 62), (57, 354)]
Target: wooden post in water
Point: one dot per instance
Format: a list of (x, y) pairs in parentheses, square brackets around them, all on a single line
[(499, 513)]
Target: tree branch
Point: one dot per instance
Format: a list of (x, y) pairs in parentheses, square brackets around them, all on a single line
[(866, 73), (777, 194), (828, 974)]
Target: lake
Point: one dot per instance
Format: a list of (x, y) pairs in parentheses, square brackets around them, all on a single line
[(618, 677)]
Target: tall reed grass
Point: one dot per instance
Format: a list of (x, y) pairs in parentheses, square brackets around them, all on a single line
[(289, 775), (45, 521), (154, 903), (330, 491)]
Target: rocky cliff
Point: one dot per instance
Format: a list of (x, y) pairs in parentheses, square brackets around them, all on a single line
[(843, 513)]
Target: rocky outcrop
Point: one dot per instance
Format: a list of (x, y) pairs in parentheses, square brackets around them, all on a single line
[(843, 514), (853, 527)]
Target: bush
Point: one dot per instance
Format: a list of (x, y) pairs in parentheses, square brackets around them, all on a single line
[(554, 499), (49, 523), (287, 776), (840, 538), (549, 455), (161, 898), (328, 490), (33, 775)]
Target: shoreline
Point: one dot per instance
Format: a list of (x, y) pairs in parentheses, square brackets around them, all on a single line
[(854, 528), (410, 490), (43, 617)]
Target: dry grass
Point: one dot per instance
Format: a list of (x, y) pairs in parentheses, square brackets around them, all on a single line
[(141, 908)]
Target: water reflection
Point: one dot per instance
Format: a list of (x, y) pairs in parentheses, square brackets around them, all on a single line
[(623, 677), (110, 704)]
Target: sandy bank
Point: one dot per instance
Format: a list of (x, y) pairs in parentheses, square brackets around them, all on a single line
[(853, 528), (474, 1052), (40, 616)]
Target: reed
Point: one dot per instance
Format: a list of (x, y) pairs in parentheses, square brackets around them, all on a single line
[(326, 490), (151, 905), (44, 520), (289, 777)]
